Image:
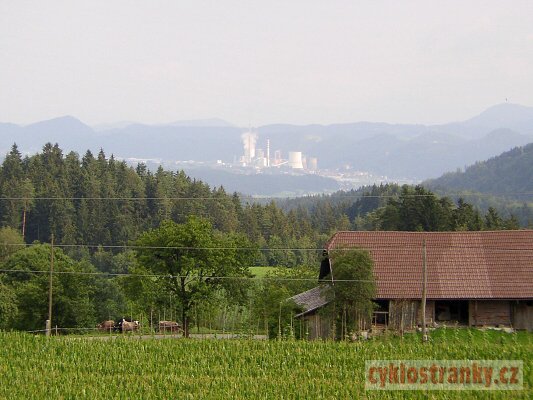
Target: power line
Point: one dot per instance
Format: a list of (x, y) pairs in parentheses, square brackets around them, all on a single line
[(255, 278), (169, 276), (318, 249), (229, 198), (118, 198)]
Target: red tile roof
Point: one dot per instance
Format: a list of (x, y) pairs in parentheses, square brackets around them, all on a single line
[(460, 265)]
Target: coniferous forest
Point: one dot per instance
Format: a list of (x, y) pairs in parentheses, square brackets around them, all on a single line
[(99, 212)]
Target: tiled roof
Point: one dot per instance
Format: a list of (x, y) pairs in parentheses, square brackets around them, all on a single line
[(311, 299), (460, 265)]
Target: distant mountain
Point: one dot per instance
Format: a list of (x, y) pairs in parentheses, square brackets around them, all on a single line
[(413, 152), (112, 125), (509, 174), (9, 133), (210, 122), (174, 142), (69, 132), (511, 116)]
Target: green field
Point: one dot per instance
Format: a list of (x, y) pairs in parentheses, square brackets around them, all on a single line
[(34, 367), (260, 272)]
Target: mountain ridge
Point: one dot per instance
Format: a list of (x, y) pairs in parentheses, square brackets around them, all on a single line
[(508, 174), (411, 151)]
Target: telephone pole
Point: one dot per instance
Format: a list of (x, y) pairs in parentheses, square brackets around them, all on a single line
[(50, 285), (424, 292)]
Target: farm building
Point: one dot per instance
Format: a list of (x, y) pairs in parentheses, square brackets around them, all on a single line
[(473, 279)]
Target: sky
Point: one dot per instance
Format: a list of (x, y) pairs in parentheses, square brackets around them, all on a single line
[(259, 62)]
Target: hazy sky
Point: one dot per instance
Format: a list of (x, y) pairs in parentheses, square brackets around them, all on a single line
[(259, 62)]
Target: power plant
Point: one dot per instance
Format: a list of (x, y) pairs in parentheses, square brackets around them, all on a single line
[(257, 158)]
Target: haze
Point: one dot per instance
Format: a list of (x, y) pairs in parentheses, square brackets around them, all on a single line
[(263, 62)]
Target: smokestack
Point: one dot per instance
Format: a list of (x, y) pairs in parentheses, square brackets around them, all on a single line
[(268, 153), (248, 141)]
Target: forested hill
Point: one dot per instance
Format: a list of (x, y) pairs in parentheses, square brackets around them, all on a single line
[(91, 201), (509, 174)]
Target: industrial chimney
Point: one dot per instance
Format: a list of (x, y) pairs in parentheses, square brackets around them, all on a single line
[(268, 153)]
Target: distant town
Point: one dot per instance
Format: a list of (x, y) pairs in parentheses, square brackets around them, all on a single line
[(256, 160)]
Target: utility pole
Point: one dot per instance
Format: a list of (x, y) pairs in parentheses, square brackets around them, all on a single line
[(424, 287), (49, 321), (24, 218), (331, 271)]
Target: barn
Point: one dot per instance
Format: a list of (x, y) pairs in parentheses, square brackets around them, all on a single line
[(473, 279)]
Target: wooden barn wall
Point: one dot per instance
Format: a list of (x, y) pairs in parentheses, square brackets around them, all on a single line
[(430, 312), (407, 314), (403, 314), (523, 315), (489, 312), (318, 326)]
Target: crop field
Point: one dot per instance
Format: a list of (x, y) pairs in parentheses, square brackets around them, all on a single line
[(260, 272), (34, 367)]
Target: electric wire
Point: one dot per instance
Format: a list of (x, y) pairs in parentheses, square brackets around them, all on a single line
[(254, 278), (394, 247), (226, 199)]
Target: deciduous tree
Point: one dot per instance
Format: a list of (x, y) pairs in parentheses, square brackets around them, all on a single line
[(193, 261)]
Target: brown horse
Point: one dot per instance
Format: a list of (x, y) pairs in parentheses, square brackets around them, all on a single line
[(127, 326), (171, 326), (106, 326)]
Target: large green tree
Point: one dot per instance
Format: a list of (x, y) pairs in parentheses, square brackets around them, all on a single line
[(73, 302), (193, 261)]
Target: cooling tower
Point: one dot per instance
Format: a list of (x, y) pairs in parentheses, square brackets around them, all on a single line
[(295, 159), (312, 164)]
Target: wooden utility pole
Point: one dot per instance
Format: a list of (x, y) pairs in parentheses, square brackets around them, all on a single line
[(49, 321), (279, 321), (331, 272), (24, 219), (333, 324), (424, 287)]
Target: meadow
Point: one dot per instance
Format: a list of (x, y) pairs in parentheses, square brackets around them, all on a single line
[(36, 367)]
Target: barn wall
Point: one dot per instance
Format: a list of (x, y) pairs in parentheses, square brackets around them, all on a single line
[(407, 314), (318, 326), (489, 312), (523, 315), (403, 314), (430, 312)]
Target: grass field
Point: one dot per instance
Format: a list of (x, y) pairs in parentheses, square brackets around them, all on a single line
[(260, 272), (34, 367)]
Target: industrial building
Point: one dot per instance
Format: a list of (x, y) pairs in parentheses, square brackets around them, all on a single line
[(255, 157)]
